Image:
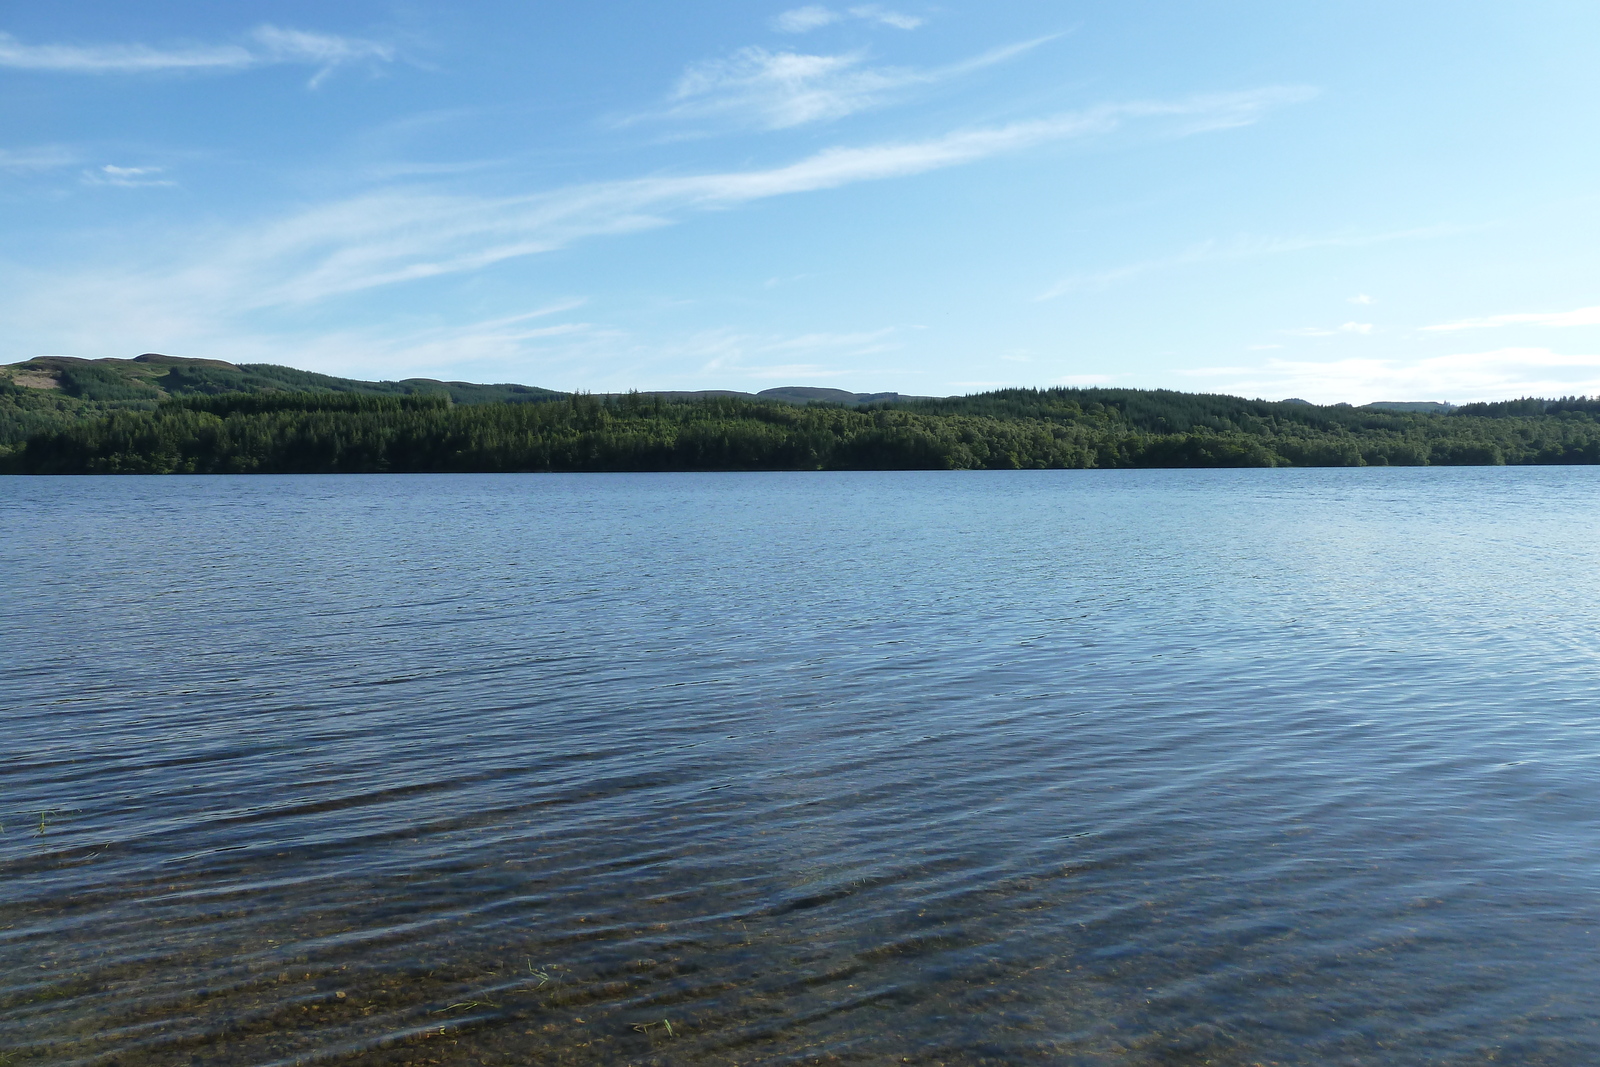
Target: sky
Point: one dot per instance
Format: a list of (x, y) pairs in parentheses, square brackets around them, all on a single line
[(1354, 201)]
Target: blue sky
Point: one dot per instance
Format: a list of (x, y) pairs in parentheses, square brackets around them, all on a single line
[(1351, 201)]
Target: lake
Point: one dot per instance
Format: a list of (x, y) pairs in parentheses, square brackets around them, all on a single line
[(1076, 767)]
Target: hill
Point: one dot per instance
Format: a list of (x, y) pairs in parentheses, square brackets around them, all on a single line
[(161, 414), (49, 392), (153, 376), (351, 431)]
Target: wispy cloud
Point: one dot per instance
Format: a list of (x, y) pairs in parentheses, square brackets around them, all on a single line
[(495, 346), (815, 16), (119, 58), (1361, 298), (127, 177), (325, 51), (593, 356), (267, 45), (397, 236), (1240, 248), (1460, 378), (806, 356), (805, 19), (211, 284), (1589, 316), (885, 17), (1335, 331), (780, 90), (48, 157), (541, 347)]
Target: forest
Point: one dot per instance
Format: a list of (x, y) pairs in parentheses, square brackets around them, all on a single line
[(430, 430)]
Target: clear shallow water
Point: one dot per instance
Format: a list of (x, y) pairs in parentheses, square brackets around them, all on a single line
[(1227, 767)]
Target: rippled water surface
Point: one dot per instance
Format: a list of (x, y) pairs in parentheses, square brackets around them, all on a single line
[(1211, 767)]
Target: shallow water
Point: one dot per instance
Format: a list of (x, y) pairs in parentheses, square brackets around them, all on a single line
[(1101, 767)]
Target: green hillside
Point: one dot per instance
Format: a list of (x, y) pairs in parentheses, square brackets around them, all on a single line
[(51, 392), (351, 431)]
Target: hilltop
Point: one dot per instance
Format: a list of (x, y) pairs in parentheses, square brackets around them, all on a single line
[(47, 392), (153, 377)]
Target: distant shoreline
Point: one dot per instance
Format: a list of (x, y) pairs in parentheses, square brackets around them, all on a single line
[(247, 420)]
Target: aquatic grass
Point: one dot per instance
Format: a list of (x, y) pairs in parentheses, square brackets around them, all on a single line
[(543, 976), (464, 1004), (45, 815)]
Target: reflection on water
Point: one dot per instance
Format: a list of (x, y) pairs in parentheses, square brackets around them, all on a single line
[(1070, 767)]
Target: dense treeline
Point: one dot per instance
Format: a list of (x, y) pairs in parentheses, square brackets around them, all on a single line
[(27, 412), (1501, 409), (65, 391), (1017, 428)]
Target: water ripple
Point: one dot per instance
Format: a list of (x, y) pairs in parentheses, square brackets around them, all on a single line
[(1146, 767)]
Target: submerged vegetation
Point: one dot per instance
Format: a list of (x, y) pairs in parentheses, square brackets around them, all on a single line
[(426, 429)]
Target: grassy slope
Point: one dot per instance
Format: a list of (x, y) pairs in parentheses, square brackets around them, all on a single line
[(50, 392)]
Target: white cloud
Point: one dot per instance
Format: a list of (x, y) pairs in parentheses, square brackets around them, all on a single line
[(779, 90), (1322, 331), (290, 46), (804, 19), (272, 45), (485, 350), (1361, 298), (204, 289), (496, 346), (127, 177), (1581, 317), (390, 237), (602, 358), (589, 355), (882, 15), (318, 49), (1460, 378), (33, 159), (815, 16), (118, 58)]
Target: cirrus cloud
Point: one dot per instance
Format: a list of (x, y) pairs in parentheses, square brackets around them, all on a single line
[(815, 16), (780, 90), (47, 157), (232, 289), (127, 177), (268, 45)]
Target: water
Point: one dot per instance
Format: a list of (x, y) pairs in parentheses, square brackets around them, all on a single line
[(1208, 767)]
